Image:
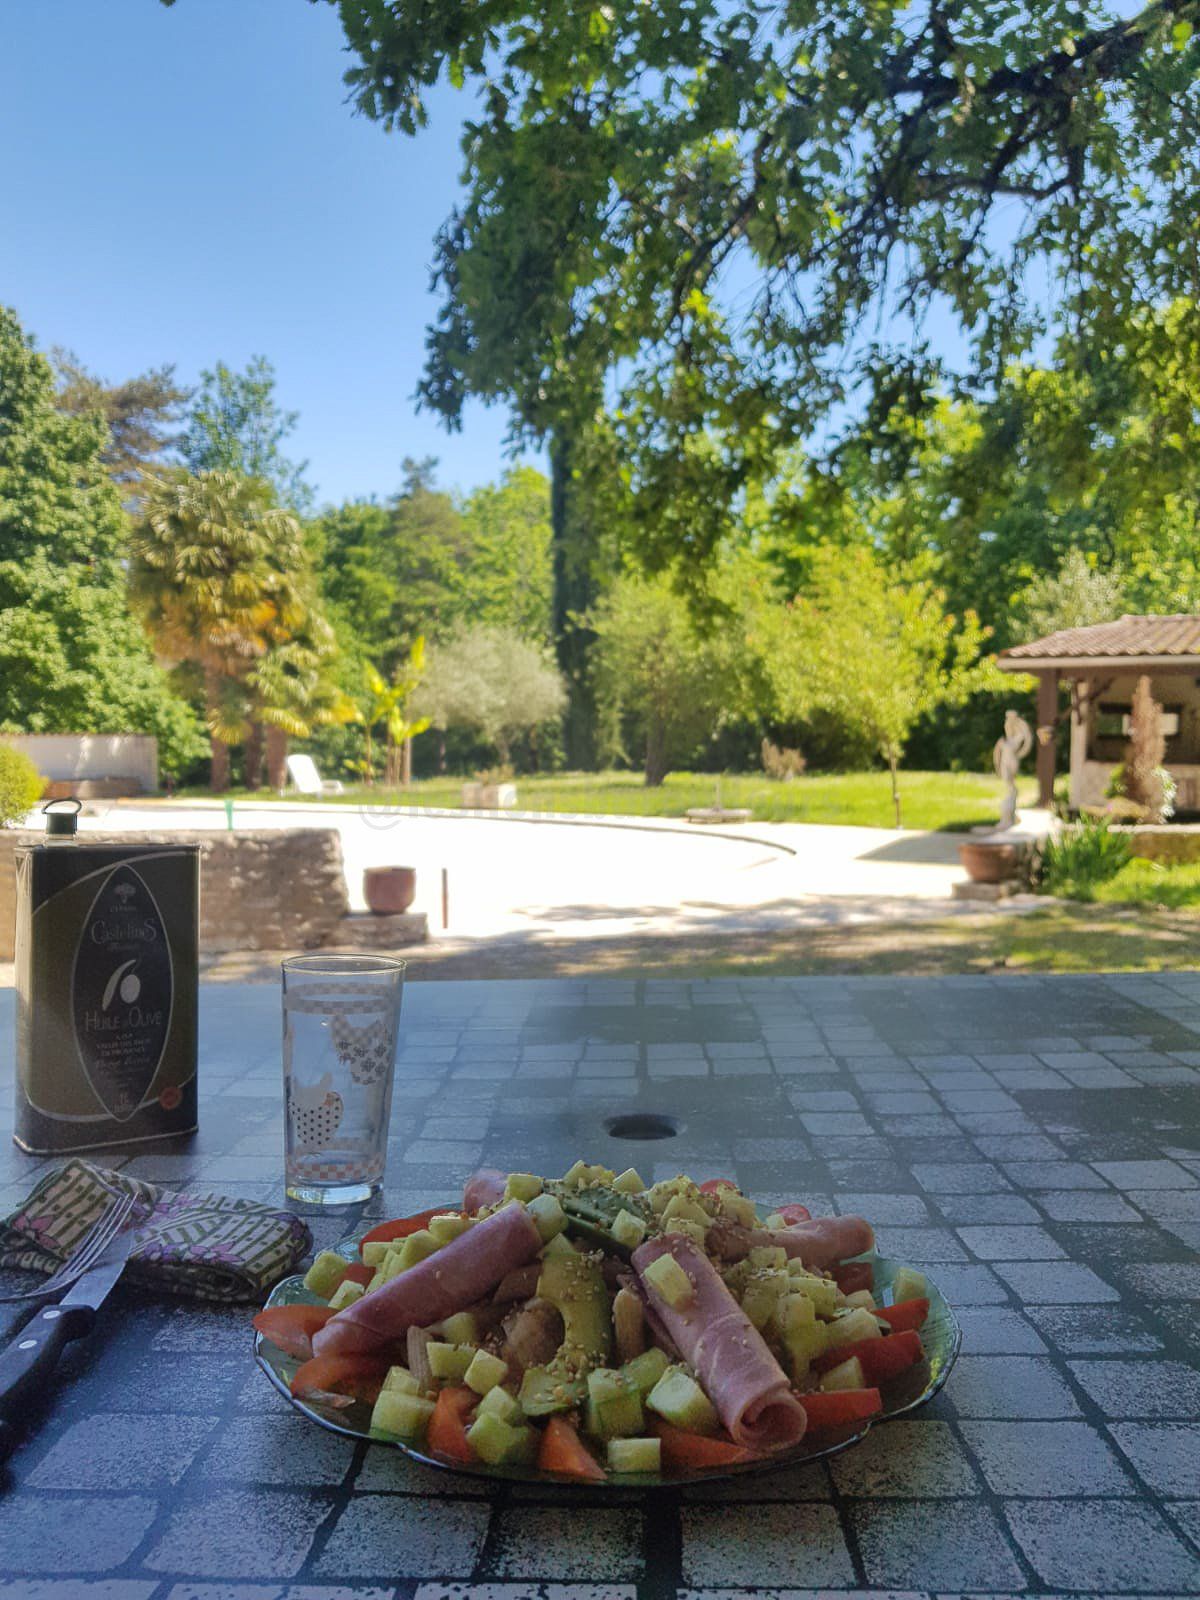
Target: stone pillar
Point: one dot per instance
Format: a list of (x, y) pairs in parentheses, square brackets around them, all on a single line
[(1047, 714)]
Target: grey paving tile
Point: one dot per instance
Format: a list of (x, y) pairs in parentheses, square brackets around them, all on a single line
[(1146, 1175), (547, 1543), (1053, 1175), (247, 1533), (1086, 1205), (765, 1544), (276, 1448), (1165, 1455), (1058, 1283), (1011, 1244), (971, 1177), (912, 1460), (1046, 1459), (986, 1209), (792, 1483), (1010, 1387), (380, 1534), (1103, 1544), (108, 1451), (996, 1331), (72, 1533), (1137, 1389), (1095, 1330), (904, 1546), (969, 1286)]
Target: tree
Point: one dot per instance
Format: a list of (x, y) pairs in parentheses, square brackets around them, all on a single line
[(237, 425), (875, 648), (508, 574), (72, 658), (142, 415), (217, 575), (1142, 780), (291, 691), (493, 682), (387, 703), (686, 215), (1078, 595)]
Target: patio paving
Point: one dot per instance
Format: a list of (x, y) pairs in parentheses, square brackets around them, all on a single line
[(1035, 1142)]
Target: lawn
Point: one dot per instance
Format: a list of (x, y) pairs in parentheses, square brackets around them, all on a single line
[(930, 800), (1148, 883)]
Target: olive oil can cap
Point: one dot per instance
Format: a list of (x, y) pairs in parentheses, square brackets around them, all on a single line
[(61, 824)]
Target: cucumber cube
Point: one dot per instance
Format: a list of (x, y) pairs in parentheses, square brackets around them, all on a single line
[(768, 1255), (498, 1402), (405, 1414), (559, 1246), (670, 1282), (614, 1406), (326, 1272), (635, 1455), (485, 1371), (346, 1293), (548, 1215), (416, 1248), (686, 1210), (863, 1298), (775, 1220), (762, 1294), (846, 1375), (678, 1398), (447, 1227), (689, 1229), (628, 1182), (852, 1326), (544, 1392), (461, 1328), (401, 1381), (737, 1208), (793, 1312), (576, 1175), (499, 1443), (628, 1229), (823, 1292), (449, 1361), (375, 1252), (522, 1186), (908, 1284), (645, 1370), (806, 1343)]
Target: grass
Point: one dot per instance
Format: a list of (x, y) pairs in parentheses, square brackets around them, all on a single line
[(930, 800), (1149, 883)]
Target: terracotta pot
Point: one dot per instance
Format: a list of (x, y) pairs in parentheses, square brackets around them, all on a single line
[(389, 891), (990, 862)]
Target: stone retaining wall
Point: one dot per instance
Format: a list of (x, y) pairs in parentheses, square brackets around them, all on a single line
[(269, 889), (1164, 841)]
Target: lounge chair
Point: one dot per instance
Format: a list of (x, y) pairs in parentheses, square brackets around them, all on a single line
[(302, 770)]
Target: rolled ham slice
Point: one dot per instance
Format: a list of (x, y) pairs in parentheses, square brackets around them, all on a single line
[(817, 1243), (454, 1277), (483, 1188), (735, 1368)]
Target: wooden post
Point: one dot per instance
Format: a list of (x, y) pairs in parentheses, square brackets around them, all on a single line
[(1047, 717)]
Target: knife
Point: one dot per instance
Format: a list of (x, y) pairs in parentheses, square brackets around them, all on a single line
[(28, 1360)]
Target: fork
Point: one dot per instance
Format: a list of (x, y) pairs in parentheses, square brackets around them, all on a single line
[(86, 1253)]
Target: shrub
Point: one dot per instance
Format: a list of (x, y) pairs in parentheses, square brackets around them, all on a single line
[(781, 763), (20, 785), (1084, 855), (1125, 807)]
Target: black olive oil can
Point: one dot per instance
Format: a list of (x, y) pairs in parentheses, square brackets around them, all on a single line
[(106, 992)]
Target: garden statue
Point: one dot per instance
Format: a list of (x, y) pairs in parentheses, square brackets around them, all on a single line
[(1007, 756)]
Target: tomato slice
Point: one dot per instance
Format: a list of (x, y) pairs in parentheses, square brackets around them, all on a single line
[(401, 1227), (353, 1377), (447, 1431), (693, 1452), (291, 1328), (794, 1212), (909, 1314), (851, 1276), (564, 1452), (840, 1406), (358, 1272), (880, 1359), (711, 1185)]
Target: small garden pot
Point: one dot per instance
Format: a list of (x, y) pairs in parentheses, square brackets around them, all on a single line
[(389, 891), (990, 862)]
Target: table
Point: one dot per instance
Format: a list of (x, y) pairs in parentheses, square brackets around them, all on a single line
[(1034, 1142)]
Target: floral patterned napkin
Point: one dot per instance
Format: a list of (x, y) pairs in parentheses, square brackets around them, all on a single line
[(206, 1246)]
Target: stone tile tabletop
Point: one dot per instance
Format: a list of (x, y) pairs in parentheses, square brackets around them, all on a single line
[(1035, 1142)]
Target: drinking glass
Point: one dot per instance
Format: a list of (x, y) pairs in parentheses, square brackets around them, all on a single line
[(341, 1015)]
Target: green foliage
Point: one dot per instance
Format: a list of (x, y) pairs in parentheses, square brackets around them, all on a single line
[(387, 704), (875, 649), (237, 425), (694, 208), (1078, 595), (72, 658), (492, 681), (1078, 860), (21, 784), (142, 414)]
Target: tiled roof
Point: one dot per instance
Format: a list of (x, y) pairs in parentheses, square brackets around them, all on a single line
[(1128, 637)]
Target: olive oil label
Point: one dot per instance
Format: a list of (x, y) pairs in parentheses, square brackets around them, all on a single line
[(122, 992)]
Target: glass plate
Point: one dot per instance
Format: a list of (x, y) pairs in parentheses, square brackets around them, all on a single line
[(940, 1335)]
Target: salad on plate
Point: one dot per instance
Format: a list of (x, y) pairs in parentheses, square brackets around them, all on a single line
[(590, 1326)]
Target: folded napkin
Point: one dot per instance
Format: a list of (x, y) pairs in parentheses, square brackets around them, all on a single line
[(208, 1246)]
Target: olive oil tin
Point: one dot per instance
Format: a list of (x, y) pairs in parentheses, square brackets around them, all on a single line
[(106, 994)]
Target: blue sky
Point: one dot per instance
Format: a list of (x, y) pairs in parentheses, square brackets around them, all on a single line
[(189, 185)]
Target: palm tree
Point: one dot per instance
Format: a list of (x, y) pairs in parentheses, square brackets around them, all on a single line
[(387, 703), (292, 691), (216, 573)]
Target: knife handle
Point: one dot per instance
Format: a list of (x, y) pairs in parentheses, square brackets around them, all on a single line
[(31, 1357)]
